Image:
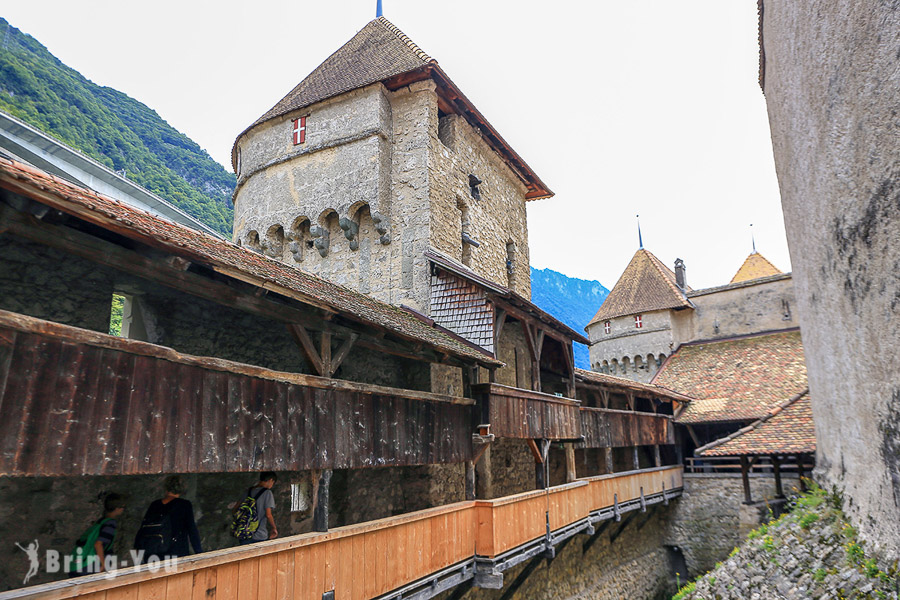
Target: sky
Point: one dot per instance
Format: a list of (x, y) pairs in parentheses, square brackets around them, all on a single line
[(647, 107)]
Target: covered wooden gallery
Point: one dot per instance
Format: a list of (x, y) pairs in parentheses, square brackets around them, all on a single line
[(786, 436), (234, 363)]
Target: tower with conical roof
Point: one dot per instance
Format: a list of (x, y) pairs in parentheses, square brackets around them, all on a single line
[(651, 311), (372, 160)]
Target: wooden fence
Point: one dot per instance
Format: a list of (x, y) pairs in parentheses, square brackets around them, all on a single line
[(363, 561), (157, 411), (517, 413)]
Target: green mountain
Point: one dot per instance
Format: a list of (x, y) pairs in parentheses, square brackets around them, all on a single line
[(112, 128)]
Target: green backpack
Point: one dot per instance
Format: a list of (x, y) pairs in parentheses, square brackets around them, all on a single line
[(81, 559), (246, 521)]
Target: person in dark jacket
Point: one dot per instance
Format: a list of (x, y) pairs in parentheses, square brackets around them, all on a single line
[(180, 515)]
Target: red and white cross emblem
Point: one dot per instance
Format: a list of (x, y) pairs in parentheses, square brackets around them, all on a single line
[(607, 327), (299, 130), (638, 321)]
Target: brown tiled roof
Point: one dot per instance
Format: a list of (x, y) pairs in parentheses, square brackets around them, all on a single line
[(378, 51), (227, 258), (628, 384), (787, 429), (754, 267), (381, 52), (646, 284), (735, 379)]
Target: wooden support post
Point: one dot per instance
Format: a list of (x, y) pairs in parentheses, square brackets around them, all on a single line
[(745, 476), (801, 473), (540, 462), (657, 457), (470, 480), (609, 459), (320, 512), (484, 480), (570, 462), (694, 436), (776, 469), (637, 458)]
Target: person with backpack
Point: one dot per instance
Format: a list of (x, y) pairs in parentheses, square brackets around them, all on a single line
[(169, 525), (95, 545), (253, 521)]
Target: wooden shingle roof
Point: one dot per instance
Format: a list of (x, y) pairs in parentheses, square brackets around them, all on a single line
[(378, 51), (736, 379), (786, 429), (646, 284), (755, 266)]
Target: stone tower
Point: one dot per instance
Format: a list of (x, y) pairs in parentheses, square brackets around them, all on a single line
[(372, 160)]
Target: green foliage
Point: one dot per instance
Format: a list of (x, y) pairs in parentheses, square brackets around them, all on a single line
[(758, 532), (819, 575), (768, 543), (115, 315), (685, 591), (855, 553), (112, 128), (807, 519)]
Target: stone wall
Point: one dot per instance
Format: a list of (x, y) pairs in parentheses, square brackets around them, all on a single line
[(629, 352), (48, 284), (636, 565), (744, 308), (831, 80), (706, 523), (495, 220)]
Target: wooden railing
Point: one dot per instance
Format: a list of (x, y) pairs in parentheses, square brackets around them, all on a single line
[(363, 561), (606, 490), (505, 523), (524, 414), (732, 464)]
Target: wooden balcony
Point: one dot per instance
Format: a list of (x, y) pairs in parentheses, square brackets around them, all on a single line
[(517, 413), (415, 555), (608, 428), (77, 402)]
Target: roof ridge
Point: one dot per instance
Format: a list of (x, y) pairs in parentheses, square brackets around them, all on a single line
[(667, 274), (405, 39), (754, 425)]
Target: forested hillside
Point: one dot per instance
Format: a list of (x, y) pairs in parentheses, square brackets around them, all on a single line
[(572, 301), (112, 128)]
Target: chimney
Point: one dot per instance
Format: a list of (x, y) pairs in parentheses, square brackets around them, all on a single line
[(680, 277)]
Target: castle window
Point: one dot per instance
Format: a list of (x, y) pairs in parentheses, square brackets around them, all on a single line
[(474, 182), (299, 132), (638, 322), (607, 327)]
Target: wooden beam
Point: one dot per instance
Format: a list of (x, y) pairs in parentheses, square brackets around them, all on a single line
[(343, 351), (745, 477), (694, 437), (159, 271), (499, 322), (470, 480), (322, 493), (570, 462), (302, 336), (776, 468)]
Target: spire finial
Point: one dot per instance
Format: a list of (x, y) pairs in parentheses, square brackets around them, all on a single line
[(378, 11), (640, 239), (752, 238)]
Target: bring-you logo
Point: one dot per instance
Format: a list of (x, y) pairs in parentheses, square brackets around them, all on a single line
[(80, 562)]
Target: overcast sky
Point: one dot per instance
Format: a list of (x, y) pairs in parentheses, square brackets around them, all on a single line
[(647, 107)]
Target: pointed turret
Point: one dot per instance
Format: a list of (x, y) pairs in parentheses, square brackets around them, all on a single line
[(645, 285), (754, 267)]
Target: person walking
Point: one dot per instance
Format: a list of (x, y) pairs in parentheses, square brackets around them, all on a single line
[(264, 499), (168, 528), (93, 550)]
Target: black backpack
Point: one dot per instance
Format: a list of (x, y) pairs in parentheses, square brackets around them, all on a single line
[(155, 535)]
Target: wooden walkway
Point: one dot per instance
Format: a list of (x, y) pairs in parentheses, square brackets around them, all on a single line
[(410, 556)]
